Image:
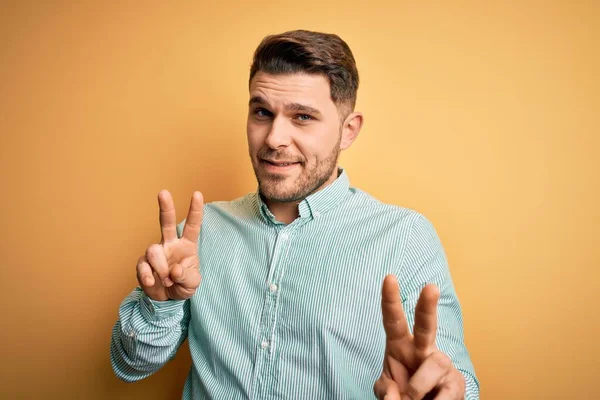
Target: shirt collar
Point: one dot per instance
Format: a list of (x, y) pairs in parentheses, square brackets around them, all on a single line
[(317, 203)]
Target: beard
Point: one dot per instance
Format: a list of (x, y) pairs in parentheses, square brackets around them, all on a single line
[(286, 189)]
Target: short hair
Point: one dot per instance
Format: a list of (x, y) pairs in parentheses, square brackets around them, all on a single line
[(312, 53)]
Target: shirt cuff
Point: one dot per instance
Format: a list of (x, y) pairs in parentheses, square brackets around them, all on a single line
[(153, 310)]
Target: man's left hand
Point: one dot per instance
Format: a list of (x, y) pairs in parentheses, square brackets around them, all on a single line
[(413, 367)]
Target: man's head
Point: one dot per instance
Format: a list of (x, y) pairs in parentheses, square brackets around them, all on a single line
[(302, 95)]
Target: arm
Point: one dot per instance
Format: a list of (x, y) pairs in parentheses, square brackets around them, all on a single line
[(147, 334), (425, 354), (425, 262), (154, 318)]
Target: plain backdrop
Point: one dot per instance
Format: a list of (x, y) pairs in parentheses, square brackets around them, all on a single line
[(481, 115)]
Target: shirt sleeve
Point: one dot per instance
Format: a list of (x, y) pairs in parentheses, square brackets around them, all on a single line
[(425, 262), (147, 334)]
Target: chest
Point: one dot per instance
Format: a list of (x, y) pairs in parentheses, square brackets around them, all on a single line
[(304, 277)]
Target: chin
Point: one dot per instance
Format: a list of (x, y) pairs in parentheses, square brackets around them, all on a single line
[(280, 193)]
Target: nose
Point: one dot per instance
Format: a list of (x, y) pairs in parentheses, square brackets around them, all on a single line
[(279, 134)]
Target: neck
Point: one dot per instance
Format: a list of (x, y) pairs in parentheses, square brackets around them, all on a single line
[(287, 212)]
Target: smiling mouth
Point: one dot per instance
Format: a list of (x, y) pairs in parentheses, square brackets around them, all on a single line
[(280, 163), (279, 166)]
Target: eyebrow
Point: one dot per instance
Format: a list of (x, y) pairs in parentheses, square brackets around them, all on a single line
[(289, 106)]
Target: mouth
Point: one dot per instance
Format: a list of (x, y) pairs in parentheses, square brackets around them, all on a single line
[(279, 166)]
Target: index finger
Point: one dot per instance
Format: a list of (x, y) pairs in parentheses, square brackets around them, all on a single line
[(193, 222), (167, 219), (394, 319)]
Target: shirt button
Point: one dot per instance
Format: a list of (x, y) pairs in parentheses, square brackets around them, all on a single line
[(264, 344), (273, 287), (285, 236), (131, 333), (316, 214)]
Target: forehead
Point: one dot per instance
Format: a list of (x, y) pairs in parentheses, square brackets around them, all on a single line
[(297, 88)]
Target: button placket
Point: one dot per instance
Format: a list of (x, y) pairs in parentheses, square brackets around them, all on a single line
[(266, 361)]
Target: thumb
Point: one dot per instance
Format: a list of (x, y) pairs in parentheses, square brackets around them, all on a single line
[(392, 395), (385, 388)]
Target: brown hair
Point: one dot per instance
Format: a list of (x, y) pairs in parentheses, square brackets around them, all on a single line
[(313, 53)]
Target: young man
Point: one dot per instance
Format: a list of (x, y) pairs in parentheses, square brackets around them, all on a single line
[(291, 304)]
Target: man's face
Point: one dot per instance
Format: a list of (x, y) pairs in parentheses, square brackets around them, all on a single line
[(293, 134)]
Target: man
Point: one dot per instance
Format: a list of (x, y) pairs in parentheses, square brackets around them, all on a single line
[(299, 296)]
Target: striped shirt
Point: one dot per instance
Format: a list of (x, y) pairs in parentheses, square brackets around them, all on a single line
[(293, 311)]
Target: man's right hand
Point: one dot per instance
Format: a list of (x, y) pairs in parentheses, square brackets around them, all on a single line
[(171, 269)]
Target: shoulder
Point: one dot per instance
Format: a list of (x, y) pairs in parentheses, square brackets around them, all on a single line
[(244, 208), (374, 208), (218, 213), (420, 250), (410, 229)]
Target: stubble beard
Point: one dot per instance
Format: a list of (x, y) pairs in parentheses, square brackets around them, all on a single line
[(275, 188)]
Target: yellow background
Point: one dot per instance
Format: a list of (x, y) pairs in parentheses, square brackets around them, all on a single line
[(481, 115)]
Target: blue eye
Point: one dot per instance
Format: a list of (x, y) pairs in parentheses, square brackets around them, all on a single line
[(304, 117)]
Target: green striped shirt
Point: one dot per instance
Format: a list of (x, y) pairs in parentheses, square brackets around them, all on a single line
[(293, 311)]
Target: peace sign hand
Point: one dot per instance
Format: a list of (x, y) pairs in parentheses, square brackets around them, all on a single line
[(413, 367), (171, 269)]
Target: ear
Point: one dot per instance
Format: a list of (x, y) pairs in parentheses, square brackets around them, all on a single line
[(350, 129)]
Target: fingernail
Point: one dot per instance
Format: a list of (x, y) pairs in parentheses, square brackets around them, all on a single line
[(168, 282)]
